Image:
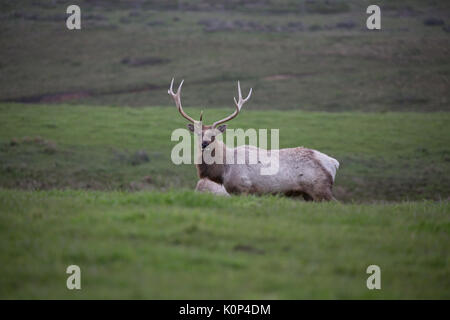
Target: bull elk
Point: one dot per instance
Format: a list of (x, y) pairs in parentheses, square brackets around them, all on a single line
[(301, 171)]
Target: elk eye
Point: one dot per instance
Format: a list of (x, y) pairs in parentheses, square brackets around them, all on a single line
[(212, 138)]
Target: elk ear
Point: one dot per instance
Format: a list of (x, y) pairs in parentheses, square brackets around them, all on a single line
[(190, 127), (222, 128)]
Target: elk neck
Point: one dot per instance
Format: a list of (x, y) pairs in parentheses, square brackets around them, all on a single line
[(215, 171)]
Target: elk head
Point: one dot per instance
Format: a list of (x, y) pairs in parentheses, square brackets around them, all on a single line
[(208, 133)]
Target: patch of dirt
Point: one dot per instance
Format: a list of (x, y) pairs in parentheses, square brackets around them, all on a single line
[(277, 77), (248, 249), (134, 159), (214, 25), (433, 21), (53, 98), (148, 61), (48, 146), (139, 186), (59, 97), (156, 23), (348, 24)]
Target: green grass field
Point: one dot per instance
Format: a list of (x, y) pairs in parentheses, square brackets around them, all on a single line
[(186, 245), (165, 243), (85, 170), (387, 156)]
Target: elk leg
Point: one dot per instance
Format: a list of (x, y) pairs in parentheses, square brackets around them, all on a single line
[(323, 195), (307, 197), (297, 193)]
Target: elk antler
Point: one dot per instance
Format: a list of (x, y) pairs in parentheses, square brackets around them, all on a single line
[(239, 105), (177, 99)]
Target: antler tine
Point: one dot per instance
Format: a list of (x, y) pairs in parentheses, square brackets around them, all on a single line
[(242, 101), (170, 91), (239, 105), (239, 91), (177, 99)]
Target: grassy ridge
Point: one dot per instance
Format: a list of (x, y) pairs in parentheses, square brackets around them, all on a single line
[(187, 245), (314, 55), (389, 156)]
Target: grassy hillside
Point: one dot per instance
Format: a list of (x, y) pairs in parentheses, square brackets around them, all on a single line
[(389, 156), (187, 245), (309, 55)]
